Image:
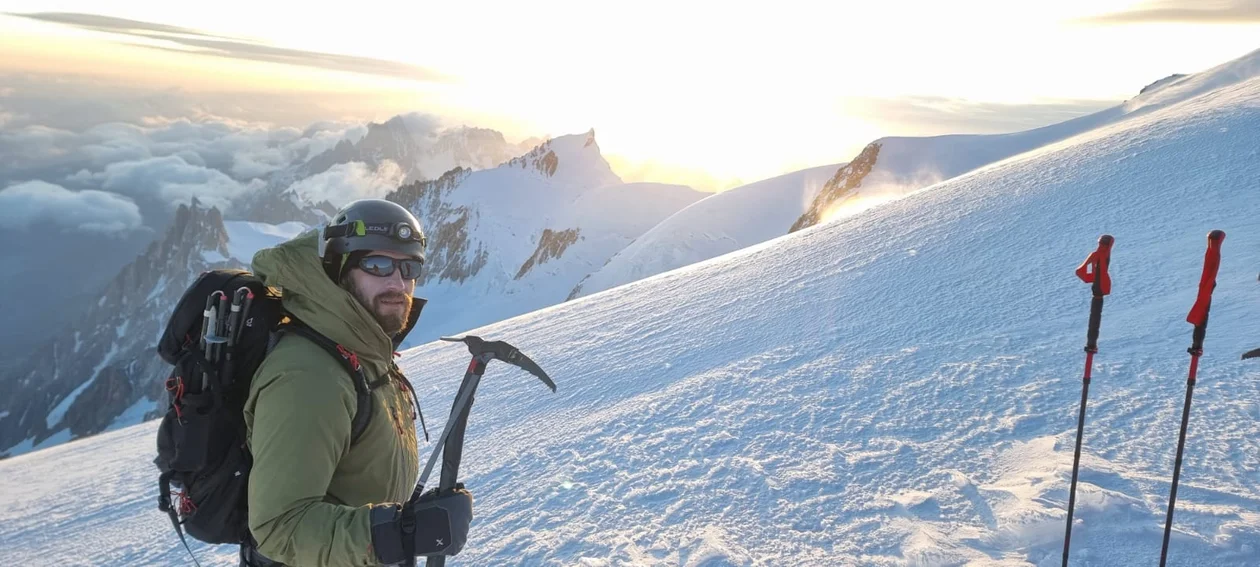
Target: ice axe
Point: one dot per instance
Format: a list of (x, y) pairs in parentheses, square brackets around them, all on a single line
[(451, 441)]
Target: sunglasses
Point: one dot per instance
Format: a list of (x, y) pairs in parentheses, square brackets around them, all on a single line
[(384, 266)]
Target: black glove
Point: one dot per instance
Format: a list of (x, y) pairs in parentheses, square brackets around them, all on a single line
[(430, 525)]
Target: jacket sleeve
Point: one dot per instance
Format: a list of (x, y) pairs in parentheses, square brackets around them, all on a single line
[(300, 430)]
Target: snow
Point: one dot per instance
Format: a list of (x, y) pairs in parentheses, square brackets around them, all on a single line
[(245, 238), (58, 412), (513, 207), (133, 415), (158, 288), (26, 446), (53, 440), (212, 256), (121, 330), (717, 225), (894, 388), (1223, 75)]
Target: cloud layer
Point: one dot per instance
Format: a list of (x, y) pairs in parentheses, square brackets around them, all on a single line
[(161, 163), (37, 205), (346, 182)]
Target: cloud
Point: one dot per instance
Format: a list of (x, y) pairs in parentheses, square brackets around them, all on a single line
[(927, 116), (422, 125), (7, 117), (203, 43), (345, 182), (1186, 11), (35, 204), (241, 150), (171, 180)]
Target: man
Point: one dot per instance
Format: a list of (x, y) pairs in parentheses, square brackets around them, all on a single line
[(315, 497)]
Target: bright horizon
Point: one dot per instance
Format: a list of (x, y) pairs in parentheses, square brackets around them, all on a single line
[(704, 96)]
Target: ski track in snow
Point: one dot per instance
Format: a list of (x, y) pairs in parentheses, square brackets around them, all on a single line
[(896, 388)]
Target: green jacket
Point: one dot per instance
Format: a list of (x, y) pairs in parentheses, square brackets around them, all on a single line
[(310, 491)]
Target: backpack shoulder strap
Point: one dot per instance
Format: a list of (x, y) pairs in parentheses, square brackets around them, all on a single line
[(349, 361)]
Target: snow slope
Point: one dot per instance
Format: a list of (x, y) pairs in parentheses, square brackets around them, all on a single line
[(906, 164), (716, 225), (761, 211), (898, 387)]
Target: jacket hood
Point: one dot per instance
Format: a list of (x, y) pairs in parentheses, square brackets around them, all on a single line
[(307, 293)]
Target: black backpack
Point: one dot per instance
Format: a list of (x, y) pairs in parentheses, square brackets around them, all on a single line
[(202, 453)]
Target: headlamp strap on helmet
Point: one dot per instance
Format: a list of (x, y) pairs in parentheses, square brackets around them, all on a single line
[(353, 228), (400, 231)]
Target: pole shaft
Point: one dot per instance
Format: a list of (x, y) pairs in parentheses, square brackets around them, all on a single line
[(1181, 445), (1076, 458)]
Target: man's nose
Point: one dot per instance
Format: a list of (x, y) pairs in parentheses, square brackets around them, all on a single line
[(394, 281)]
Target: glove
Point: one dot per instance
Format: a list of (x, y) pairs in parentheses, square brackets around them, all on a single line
[(433, 524)]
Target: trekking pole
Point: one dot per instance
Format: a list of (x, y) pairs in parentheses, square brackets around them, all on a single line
[(1092, 271), (234, 331), (221, 332), (209, 332), (1199, 318), (451, 441)]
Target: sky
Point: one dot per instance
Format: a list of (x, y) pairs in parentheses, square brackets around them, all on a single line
[(710, 94)]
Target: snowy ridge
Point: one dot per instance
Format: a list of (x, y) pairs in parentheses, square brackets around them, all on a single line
[(716, 225), (907, 164), (517, 238), (1186, 87), (895, 388)]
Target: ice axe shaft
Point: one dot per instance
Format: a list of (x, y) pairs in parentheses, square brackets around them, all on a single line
[(451, 442), (460, 409)]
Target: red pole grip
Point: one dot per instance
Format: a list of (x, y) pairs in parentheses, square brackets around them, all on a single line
[(1094, 269), (1207, 282)]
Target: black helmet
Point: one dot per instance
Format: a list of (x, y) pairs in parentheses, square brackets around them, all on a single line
[(369, 224)]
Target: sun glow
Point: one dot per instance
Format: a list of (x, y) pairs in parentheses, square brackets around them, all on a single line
[(737, 94)]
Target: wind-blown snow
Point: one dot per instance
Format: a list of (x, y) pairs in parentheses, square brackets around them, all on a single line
[(907, 164), (898, 387)]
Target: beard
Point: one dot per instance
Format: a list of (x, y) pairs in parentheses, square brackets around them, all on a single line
[(384, 307)]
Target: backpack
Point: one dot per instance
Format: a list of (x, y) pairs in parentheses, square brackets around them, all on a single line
[(223, 327)]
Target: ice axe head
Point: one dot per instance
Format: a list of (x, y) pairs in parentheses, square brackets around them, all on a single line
[(499, 350)]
